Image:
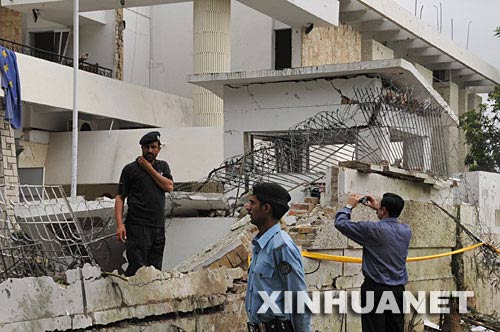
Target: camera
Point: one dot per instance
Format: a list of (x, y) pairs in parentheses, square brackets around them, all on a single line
[(363, 200)]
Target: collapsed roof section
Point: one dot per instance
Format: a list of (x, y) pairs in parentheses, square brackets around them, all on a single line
[(381, 125)]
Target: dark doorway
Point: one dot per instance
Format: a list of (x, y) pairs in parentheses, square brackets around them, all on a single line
[(283, 49), (45, 41), (50, 45)]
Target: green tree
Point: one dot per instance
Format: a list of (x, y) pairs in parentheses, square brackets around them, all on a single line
[(482, 133)]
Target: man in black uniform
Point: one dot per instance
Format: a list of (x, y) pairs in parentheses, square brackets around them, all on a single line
[(144, 182)]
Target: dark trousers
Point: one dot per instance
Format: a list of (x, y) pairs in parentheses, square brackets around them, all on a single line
[(144, 247), (386, 321)]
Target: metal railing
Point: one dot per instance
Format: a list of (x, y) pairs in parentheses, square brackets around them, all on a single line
[(53, 57), (42, 232), (382, 125)]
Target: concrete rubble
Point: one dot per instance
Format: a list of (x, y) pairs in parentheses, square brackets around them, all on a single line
[(88, 299)]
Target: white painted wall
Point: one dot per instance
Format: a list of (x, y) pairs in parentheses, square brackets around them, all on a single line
[(191, 153), (251, 39), (172, 47), (172, 44), (98, 40), (482, 189), (98, 16), (40, 25), (137, 46), (278, 106), (50, 84)]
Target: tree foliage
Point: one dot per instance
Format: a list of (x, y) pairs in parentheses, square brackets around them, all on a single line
[(482, 133)]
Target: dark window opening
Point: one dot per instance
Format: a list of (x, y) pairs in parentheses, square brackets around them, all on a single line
[(283, 49), (439, 75), (85, 127), (54, 42), (44, 41)]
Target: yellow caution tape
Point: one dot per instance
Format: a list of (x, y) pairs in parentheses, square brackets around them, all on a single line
[(454, 252), (333, 258), (347, 259)]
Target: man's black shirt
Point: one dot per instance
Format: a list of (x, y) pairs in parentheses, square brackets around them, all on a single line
[(146, 200)]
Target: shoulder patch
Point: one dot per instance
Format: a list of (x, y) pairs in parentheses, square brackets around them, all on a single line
[(278, 240), (284, 267)]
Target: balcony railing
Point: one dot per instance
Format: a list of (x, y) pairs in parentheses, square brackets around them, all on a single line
[(53, 57)]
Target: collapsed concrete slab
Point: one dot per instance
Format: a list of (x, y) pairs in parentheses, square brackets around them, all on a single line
[(230, 251)]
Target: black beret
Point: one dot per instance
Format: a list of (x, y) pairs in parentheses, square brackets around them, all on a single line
[(151, 137), (271, 192)]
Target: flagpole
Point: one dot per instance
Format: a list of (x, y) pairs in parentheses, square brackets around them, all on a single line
[(74, 152)]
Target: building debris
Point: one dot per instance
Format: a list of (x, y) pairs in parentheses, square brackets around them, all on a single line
[(87, 301)]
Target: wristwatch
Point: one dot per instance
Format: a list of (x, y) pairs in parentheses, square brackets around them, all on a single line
[(348, 206)]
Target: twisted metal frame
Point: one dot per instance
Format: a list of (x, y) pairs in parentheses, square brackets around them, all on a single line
[(387, 125), (42, 232)]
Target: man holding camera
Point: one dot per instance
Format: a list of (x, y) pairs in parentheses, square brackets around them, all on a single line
[(385, 248)]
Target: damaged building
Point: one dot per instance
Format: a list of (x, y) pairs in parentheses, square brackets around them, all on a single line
[(332, 98)]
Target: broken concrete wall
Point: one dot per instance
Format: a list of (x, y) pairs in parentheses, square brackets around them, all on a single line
[(184, 240), (433, 233), (480, 212), (352, 181), (482, 189), (88, 301)]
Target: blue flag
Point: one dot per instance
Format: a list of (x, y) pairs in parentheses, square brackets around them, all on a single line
[(11, 86)]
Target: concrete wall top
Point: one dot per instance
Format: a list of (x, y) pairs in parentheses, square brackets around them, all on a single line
[(191, 153), (51, 84), (352, 181)]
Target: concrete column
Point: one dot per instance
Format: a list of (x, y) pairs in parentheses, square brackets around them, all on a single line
[(9, 179), (373, 50), (462, 149), (119, 44), (211, 54), (449, 92)]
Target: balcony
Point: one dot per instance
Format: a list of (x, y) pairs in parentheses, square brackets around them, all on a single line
[(47, 87), (53, 57)]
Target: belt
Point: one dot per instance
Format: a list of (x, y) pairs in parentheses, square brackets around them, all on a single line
[(276, 325)]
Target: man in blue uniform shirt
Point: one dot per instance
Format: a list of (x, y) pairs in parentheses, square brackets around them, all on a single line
[(385, 248), (276, 263)]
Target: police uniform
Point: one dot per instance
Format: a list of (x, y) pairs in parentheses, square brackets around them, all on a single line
[(145, 220), (276, 266)]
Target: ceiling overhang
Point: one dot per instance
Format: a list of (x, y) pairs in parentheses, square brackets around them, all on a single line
[(290, 12), (388, 23)]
